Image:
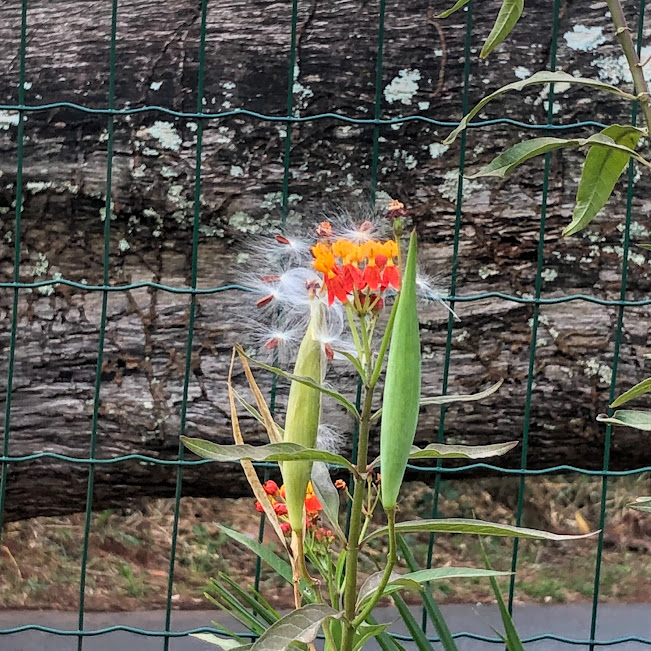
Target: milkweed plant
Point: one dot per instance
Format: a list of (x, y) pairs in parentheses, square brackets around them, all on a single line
[(347, 294)]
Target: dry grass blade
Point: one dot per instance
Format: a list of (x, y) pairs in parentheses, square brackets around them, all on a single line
[(249, 470), (267, 418)]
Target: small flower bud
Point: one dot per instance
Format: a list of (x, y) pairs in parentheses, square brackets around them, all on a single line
[(396, 210), (340, 484), (280, 508), (285, 527), (258, 507), (324, 229), (270, 487)]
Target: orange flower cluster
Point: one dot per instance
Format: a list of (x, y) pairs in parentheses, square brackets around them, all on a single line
[(349, 268), (276, 496)]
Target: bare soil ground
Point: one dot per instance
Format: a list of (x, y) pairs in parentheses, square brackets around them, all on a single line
[(129, 551)]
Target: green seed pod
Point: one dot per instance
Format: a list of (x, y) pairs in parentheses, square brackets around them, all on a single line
[(402, 386), (303, 416)]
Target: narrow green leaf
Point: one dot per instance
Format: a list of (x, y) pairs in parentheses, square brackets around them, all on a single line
[(507, 161), (355, 362), (370, 586), (601, 171), (414, 580), (508, 16), (445, 573), (466, 525), (460, 4), (257, 606), (340, 566), (645, 246), (300, 625), (416, 632), (365, 633), (256, 414), (269, 452), (543, 77), (450, 399), (384, 640), (221, 642), (642, 504), (224, 600), (628, 418), (280, 566), (328, 495), (444, 451), (512, 639), (468, 397), (638, 390), (431, 607), (307, 382)]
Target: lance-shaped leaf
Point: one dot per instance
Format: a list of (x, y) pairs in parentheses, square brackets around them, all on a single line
[(431, 607), (328, 495), (402, 385), (507, 161), (642, 504), (452, 398), (635, 392), (645, 246), (468, 526), (259, 417), (221, 642), (307, 381), (460, 4), (281, 567), (269, 452), (628, 418), (300, 625), (543, 77), (365, 632), (601, 171), (508, 16), (511, 637), (443, 451), (414, 580)]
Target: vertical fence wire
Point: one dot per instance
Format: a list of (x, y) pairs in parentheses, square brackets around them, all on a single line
[(108, 209), (283, 222), (375, 158), (540, 263), (465, 103), (191, 317), (626, 240), (16, 271)]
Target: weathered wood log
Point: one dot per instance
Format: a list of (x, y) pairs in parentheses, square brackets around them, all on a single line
[(153, 170)]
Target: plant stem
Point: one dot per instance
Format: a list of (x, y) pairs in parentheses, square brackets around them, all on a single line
[(388, 569), (625, 39), (384, 344), (352, 552)]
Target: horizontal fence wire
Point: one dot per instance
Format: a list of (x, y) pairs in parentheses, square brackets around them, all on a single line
[(24, 108), (201, 117), (398, 636), (513, 298)]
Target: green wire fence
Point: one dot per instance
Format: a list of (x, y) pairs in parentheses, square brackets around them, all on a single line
[(111, 113)]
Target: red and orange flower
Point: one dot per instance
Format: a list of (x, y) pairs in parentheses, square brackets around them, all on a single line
[(355, 271), (313, 507)]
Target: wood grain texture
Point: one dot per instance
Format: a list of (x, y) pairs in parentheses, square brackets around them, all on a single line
[(153, 167)]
